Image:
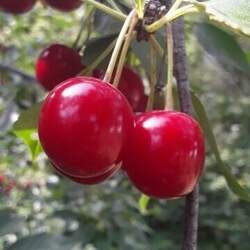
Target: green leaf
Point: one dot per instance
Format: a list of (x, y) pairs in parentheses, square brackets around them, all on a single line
[(30, 138), (139, 6), (232, 182), (231, 13), (143, 203), (105, 25), (28, 118), (25, 128), (9, 222), (43, 241), (96, 46), (223, 46), (141, 50)]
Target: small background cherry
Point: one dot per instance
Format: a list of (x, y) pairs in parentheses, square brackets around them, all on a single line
[(132, 87), (64, 5), (56, 64), (16, 6)]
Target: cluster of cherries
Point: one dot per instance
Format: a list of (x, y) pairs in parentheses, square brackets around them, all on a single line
[(89, 129), (59, 62), (22, 6)]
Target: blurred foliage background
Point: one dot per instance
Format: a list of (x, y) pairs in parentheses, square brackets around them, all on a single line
[(40, 210)]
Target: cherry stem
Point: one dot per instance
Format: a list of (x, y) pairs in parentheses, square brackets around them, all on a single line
[(157, 47), (170, 16), (128, 40), (84, 20), (153, 77), (99, 59), (139, 6), (176, 5), (117, 49), (114, 5), (114, 13), (170, 47)]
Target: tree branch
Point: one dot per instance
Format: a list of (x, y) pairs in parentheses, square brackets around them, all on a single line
[(180, 71), (19, 73)]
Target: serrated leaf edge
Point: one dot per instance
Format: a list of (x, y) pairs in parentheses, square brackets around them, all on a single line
[(221, 20)]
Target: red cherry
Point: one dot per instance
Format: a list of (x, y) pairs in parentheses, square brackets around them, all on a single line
[(16, 6), (165, 155), (56, 64), (1, 179), (132, 87), (83, 125), (90, 180), (64, 5)]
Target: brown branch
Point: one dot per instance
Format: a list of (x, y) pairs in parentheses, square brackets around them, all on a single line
[(180, 71), (180, 67), (17, 72)]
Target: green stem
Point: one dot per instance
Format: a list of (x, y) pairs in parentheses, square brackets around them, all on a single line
[(117, 49), (114, 5), (157, 47), (84, 19), (75, 44), (129, 37), (106, 9), (176, 5), (153, 77), (98, 60), (170, 78), (170, 16), (140, 8)]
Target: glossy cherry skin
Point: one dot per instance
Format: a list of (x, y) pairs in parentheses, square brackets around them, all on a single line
[(64, 5), (16, 6), (131, 86), (91, 180), (56, 64), (84, 123), (166, 154)]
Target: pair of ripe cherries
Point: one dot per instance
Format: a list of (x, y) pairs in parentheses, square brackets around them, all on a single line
[(23, 6), (87, 128)]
